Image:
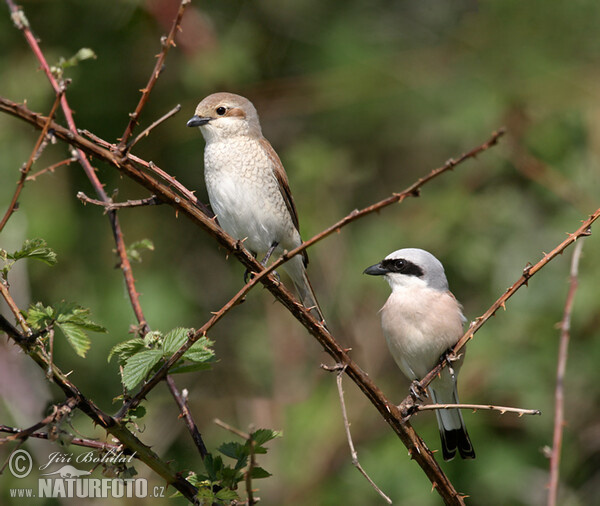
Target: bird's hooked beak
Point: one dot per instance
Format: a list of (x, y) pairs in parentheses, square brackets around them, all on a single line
[(196, 121), (376, 270)]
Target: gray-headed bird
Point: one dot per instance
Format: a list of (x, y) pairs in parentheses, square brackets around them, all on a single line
[(248, 187), (421, 320)]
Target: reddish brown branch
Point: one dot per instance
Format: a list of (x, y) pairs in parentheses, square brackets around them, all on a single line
[(27, 167), (51, 168), (58, 412), (111, 206), (77, 441), (160, 120), (559, 415), (186, 414), (166, 42)]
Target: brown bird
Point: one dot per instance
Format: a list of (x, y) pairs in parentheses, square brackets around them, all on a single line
[(248, 187)]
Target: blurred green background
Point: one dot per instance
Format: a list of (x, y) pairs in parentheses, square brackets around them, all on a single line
[(359, 99)]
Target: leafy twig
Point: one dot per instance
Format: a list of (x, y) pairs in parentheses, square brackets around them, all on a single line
[(565, 327), (118, 430)]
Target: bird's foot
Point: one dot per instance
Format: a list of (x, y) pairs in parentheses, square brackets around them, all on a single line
[(450, 357), (417, 392), (248, 274)]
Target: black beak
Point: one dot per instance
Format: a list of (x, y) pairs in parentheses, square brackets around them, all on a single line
[(196, 121), (375, 270)]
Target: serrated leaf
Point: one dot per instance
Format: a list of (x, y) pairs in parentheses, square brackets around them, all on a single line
[(36, 249), (138, 366), (126, 349), (134, 251), (213, 466), (226, 494), (76, 315), (200, 351), (230, 477), (76, 337), (259, 472), (40, 316), (234, 450), (175, 339), (261, 436)]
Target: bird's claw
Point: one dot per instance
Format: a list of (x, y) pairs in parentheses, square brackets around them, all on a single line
[(417, 392)]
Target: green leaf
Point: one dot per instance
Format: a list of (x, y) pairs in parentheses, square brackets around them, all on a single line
[(214, 467), (72, 320), (226, 494), (40, 316), (137, 413), (175, 339), (234, 450), (138, 366), (36, 249), (126, 349), (200, 351), (261, 436), (134, 251), (76, 315), (76, 337), (85, 53), (259, 472)]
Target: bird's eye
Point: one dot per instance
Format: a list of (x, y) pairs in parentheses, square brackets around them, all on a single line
[(221, 110), (399, 264)]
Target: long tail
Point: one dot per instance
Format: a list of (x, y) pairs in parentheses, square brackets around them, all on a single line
[(297, 272), (453, 432)]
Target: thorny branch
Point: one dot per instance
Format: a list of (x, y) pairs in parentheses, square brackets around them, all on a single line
[(476, 407), (77, 441), (111, 206), (559, 415), (12, 207), (147, 131), (181, 400), (51, 168), (58, 412), (354, 454), (166, 42)]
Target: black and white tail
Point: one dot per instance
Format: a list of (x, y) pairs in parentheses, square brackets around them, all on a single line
[(453, 432)]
